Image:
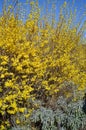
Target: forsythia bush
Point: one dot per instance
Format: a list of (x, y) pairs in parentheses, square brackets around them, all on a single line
[(35, 61)]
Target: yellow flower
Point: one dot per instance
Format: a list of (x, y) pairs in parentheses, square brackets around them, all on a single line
[(1, 89), (2, 75), (2, 127), (7, 123), (17, 121), (21, 110), (1, 103), (11, 112), (32, 3), (9, 83), (19, 68), (65, 3)]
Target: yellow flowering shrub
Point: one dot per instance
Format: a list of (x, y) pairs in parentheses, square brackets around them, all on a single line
[(16, 70), (35, 61)]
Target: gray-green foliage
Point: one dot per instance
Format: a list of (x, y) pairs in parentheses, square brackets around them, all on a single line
[(45, 117), (68, 116), (21, 128), (71, 115)]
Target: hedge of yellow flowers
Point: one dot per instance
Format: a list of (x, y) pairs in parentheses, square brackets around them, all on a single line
[(34, 62)]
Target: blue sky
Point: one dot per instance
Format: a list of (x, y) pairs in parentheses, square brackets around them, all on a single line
[(80, 5)]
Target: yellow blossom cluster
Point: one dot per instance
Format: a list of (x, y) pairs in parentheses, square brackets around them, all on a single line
[(35, 61)]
